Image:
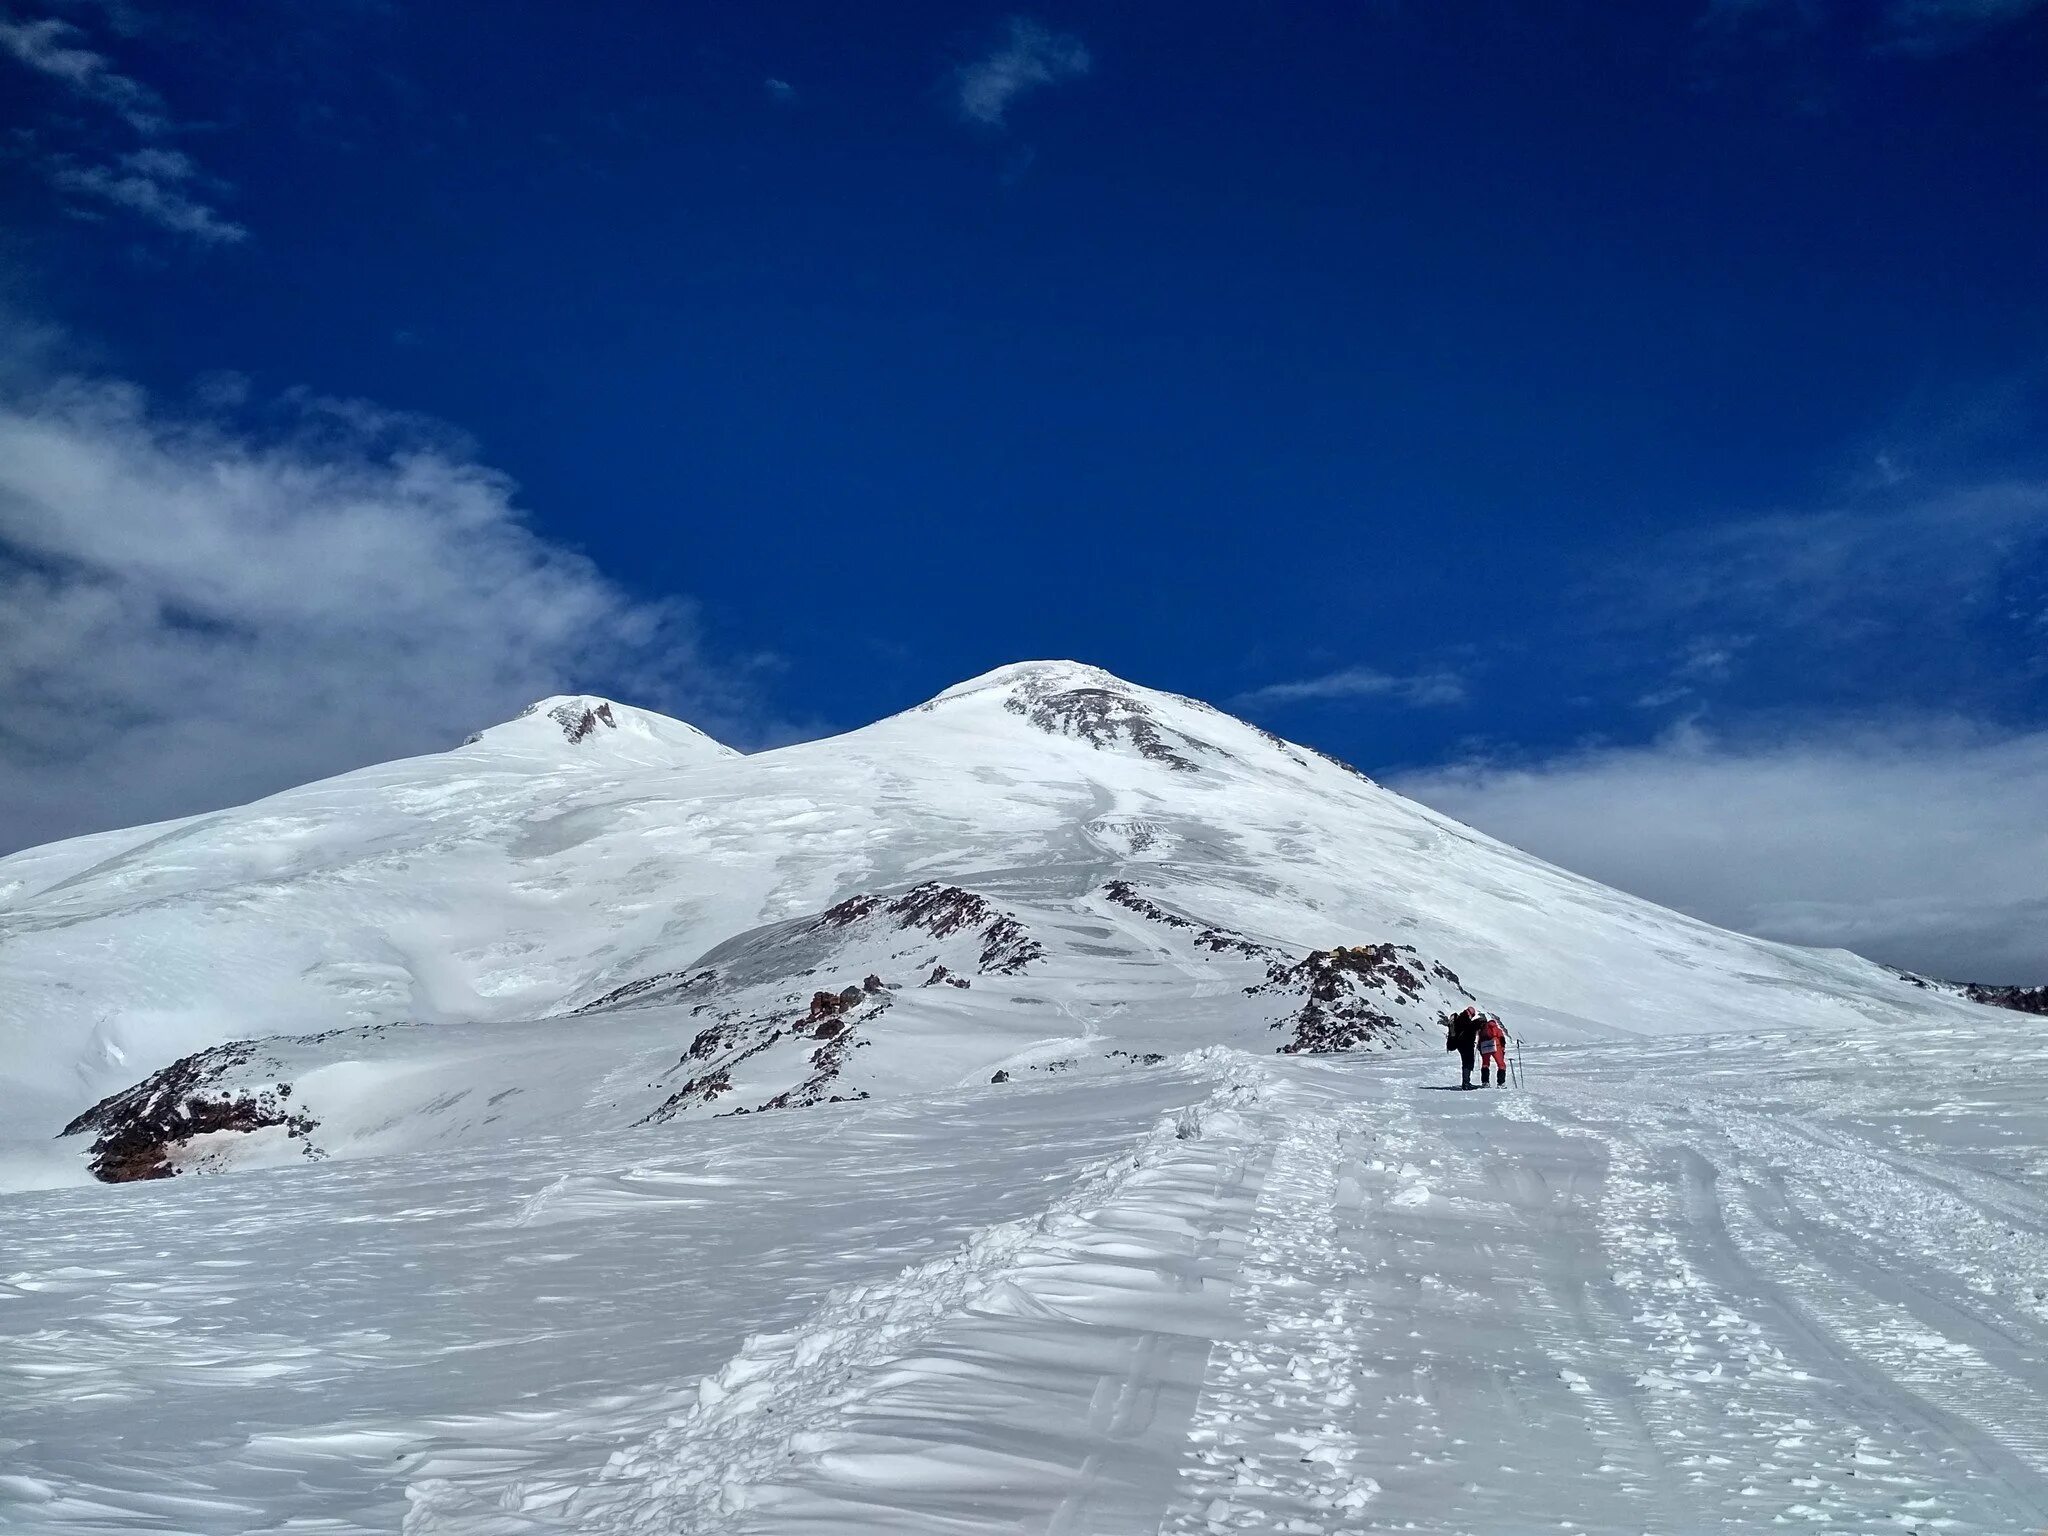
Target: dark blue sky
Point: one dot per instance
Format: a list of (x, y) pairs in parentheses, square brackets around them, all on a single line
[(1435, 379)]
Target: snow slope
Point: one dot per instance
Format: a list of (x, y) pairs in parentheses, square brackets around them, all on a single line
[(1046, 1212), (592, 915), (1723, 1283)]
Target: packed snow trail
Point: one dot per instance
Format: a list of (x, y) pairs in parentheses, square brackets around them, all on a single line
[(1727, 1283), (1581, 1308)]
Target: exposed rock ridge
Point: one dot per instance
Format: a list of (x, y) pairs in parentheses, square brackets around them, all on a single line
[(141, 1129), (578, 720), (1217, 940), (2019, 999), (1102, 717), (1344, 991)]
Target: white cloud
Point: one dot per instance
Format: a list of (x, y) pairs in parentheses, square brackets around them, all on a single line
[(1926, 551), (191, 616), (1358, 683), (156, 184), (1030, 56), (1936, 598), (780, 92), (53, 47), (1920, 844)]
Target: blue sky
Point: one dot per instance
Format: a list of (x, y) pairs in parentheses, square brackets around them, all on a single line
[(1598, 419)]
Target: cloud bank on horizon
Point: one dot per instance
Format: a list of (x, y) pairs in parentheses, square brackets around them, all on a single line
[(1919, 842)]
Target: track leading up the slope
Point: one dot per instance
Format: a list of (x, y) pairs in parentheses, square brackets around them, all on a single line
[(1614, 1303)]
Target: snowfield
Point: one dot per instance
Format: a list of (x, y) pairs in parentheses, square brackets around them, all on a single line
[(1022, 1114), (1735, 1282)]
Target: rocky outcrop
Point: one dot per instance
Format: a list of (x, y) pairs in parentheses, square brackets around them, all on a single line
[(2016, 999), (142, 1129), (1347, 995), (667, 987), (1221, 941), (1103, 717), (829, 1019), (943, 910), (579, 720), (2019, 999)]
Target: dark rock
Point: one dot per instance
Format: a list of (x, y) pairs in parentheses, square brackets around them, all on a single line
[(1216, 940), (943, 910), (1338, 989), (1102, 717), (2018, 999), (140, 1127), (577, 722), (668, 987)]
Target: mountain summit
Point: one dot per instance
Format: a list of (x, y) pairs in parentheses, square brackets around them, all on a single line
[(596, 916), (599, 725)]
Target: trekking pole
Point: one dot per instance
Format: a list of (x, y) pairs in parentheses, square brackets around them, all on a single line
[(1521, 1080)]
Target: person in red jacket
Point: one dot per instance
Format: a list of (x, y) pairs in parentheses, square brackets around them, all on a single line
[(1493, 1050)]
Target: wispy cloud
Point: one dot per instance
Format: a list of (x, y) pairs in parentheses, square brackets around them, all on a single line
[(780, 92), (159, 185), (54, 47), (1940, 596), (1925, 550), (1358, 683), (154, 184), (1918, 842), (1028, 57), (194, 613)]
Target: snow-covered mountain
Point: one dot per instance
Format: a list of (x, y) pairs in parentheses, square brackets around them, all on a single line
[(1757, 1241), (593, 917)]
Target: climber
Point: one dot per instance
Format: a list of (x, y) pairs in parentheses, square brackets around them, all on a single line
[(1493, 1050), (1461, 1034)]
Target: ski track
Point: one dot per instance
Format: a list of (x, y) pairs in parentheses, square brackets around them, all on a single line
[(1680, 1287)]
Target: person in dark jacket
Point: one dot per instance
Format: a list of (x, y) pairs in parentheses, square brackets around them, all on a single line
[(1461, 1034)]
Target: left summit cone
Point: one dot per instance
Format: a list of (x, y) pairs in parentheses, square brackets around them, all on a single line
[(584, 722)]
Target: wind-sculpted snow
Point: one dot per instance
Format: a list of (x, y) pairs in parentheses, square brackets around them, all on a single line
[(1728, 1283), (788, 1399)]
